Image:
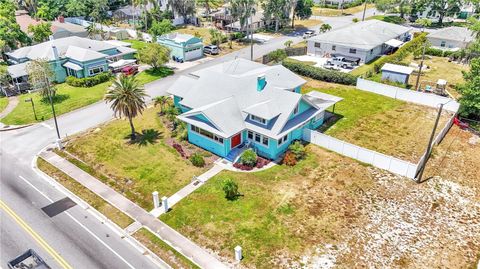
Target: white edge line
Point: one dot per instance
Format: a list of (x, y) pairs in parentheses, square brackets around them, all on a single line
[(113, 226)]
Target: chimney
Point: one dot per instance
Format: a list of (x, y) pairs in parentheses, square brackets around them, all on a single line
[(55, 52), (261, 82)]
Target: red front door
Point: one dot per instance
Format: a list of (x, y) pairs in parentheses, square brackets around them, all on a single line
[(236, 139)]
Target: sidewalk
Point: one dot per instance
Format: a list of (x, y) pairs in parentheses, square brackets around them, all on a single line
[(167, 234)]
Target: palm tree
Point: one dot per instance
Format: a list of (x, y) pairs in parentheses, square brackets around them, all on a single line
[(325, 27), (160, 101), (127, 98), (288, 43)]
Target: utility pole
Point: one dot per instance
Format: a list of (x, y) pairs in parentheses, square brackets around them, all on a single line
[(251, 35), (364, 10), (49, 91), (429, 146), (33, 107), (421, 66)]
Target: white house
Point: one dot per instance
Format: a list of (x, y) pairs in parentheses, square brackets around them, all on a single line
[(364, 41), (451, 38)]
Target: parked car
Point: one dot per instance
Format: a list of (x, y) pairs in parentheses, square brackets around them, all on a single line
[(211, 49), (340, 61), (130, 70), (308, 34)]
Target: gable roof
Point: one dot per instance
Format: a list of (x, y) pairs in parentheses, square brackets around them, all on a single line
[(227, 93), (363, 35), (83, 55), (454, 33), (178, 37)]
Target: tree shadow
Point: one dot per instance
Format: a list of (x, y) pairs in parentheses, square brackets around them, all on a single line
[(57, 99), (330, 120), (146, 137)]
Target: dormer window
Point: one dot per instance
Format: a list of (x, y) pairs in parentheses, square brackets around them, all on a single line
[(258, 119)]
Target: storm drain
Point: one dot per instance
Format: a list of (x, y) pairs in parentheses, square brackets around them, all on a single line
[(58, 207)]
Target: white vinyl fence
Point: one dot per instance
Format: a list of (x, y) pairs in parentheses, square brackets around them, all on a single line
[(421, 98), (374, 158)]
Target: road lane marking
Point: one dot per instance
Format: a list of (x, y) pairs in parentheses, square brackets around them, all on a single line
[(35, 236), (80, 224), (46, 126)]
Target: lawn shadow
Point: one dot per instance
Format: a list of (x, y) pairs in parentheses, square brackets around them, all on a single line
[(147, 136), (57, 99), (330, 120)]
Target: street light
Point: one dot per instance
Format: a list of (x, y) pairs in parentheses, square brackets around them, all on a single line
[(33, 106)]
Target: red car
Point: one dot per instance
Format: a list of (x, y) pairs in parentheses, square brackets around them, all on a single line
[(130, 70)]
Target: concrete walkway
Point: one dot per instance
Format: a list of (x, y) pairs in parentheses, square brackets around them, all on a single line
[(163, 231), (12, 104), (185, 191)]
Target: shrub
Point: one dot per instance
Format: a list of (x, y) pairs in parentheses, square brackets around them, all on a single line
[(298, 150), (355, 20), (277, 55), (434, 52), (197, 160), (237, 35), (261, 162), (230, 188), (289, 158), (249, 158), (319, 73), (88, 81)]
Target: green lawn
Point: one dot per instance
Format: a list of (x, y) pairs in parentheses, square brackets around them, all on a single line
[(283, 211), (67, 98), (137, 169), (385, 18), (136, 44), (3, 103), (333, 12)]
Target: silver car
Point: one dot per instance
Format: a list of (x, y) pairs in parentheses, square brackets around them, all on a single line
[(211, 49)]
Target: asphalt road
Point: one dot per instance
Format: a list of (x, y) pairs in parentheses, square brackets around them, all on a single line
[(76, 235)]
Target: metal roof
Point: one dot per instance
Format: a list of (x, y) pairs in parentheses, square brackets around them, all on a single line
[(73, 66), (401, 69), (454, 33)]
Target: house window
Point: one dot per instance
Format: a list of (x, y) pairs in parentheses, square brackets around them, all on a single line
[(295, 111), (317, 45), (334, 47), (258, 119), (371, 51), (265, 140), (258, 138), (283, 140), (96, 70), (443, 44), (207, 134), (353, 51), (250, 134)]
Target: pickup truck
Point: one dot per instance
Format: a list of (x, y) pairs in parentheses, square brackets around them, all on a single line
[(29, 259), (339, 61)]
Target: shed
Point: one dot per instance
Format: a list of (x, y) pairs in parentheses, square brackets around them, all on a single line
[(396, 73), (182, 46)]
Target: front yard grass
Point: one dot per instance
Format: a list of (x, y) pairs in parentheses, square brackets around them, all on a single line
[(333, 12), (85, 194), (135, 170), (386, 18), (3, 103), (136, 44), (379, 123)]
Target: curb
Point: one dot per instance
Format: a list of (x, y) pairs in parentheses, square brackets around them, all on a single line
[(15, 127)]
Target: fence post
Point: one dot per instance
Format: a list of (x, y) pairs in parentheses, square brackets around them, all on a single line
[(156, 201)]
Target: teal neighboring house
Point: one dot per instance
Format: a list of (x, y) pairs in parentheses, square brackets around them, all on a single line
[(182, 46), (241, 104), (69, 56)]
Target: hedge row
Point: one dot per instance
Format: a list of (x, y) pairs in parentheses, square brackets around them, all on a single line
[(345, 5), (401, 53), (88, 81), (440, 53), (319, 73)]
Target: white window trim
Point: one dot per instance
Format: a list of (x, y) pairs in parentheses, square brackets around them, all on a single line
[(102, 67), (283, 140), (317, 117), (252, 119), (254, 134), (218, 142)]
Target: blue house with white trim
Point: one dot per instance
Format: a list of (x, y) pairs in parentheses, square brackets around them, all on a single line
[(182, 46), (242, 104)]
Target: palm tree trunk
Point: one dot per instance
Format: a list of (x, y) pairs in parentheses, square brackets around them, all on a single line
[(133, 136)]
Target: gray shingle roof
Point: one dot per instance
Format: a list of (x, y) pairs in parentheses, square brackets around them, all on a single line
[(83, 55), (453, 33), (362, 35), (227, 93)]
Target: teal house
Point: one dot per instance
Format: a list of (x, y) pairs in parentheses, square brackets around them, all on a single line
[(241, 104), (69, 56), (182, 46)]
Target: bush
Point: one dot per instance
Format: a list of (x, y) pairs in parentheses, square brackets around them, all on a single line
[(289, 159), (434, 52), (249, 158), (355, 20), (197, 160), (88, 81), (230, 188), (237, 35), (277, 55), (298, 150), (319, 73)]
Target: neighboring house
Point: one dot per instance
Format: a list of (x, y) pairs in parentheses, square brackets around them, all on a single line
[(128, 14), (182, 46), (451, 38), (241, 104), (396, 73), (363, 41), (332, 2), (255, 22), (60, 28), (69, 56)]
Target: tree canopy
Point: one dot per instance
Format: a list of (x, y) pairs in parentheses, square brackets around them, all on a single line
[(10, 33), (154, 54), (470, 100), (41, 31)]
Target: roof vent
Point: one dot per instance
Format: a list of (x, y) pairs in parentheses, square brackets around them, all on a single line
[(261, 82)]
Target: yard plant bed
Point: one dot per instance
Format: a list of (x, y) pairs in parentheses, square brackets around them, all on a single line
[(136, 169), (329, 209), (85, 194), (380, 123)]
